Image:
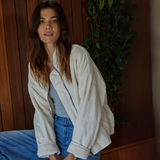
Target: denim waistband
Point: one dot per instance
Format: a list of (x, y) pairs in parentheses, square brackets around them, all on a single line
[(63, 121)]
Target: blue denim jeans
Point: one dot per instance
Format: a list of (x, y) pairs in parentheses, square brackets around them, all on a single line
[(21, 145)]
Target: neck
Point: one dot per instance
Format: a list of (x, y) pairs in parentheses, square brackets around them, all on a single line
[(50, 50)]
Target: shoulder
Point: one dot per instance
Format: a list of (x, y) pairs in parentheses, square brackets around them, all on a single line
[(78, 51), (80, 60), (78, 48), (79, 55)]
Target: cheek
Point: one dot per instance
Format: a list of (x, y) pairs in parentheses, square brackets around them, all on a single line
[(57, 29)]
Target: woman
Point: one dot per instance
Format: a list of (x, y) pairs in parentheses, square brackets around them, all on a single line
[(72, 118)]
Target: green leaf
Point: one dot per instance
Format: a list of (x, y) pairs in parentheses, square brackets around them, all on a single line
[(101, 5), (87, 18), (88, 41), (92, 10), (91, 25), (96, 34), (110, 2), (127, 38), (97, 45)]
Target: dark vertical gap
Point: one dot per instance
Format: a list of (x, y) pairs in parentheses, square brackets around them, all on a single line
[(82, 20), (72, 20), (21, 72), (1, 117)]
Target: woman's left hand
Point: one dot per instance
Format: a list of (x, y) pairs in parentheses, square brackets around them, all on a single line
[(70, 157)]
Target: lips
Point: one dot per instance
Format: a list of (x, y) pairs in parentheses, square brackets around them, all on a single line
[(48, 34)]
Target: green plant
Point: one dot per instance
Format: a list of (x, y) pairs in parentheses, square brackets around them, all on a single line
[(110, 41)]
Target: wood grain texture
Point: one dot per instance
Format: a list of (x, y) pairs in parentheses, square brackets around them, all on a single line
[(136, 99), (77, 21), (67, 7), (22, 29), (5, 94), (12, 49), (145, 150), (31, 4)]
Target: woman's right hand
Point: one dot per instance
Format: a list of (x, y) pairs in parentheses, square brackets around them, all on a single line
[(52, 157)]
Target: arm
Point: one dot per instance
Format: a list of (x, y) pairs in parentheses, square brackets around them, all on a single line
[(43, 120)]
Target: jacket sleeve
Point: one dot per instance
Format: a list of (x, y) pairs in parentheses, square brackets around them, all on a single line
[(88, 120), (43, 121)]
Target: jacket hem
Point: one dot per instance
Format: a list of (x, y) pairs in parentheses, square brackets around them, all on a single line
[(78, 150), (96, 148), (44, 150)]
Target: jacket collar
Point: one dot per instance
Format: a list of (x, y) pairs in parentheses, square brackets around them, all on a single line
[(55, 58)]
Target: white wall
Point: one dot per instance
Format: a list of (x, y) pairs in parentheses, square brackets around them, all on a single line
[(155, 53)]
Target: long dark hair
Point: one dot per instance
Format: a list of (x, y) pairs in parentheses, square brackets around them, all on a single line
[(37, 56)]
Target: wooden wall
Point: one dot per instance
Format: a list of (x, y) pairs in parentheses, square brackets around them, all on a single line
[(142, 150), (136, 103), (16, 110)]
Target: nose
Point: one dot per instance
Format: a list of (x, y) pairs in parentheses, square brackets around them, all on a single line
[(48, 26)]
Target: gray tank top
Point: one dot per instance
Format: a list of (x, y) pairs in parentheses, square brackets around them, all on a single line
[(59, 108)]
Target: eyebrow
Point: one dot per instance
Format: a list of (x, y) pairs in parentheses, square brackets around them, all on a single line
[(51, 17)]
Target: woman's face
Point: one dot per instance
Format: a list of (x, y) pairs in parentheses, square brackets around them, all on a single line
[(48, 29)]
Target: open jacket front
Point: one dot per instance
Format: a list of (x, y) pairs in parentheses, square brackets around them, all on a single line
[(85, 101)]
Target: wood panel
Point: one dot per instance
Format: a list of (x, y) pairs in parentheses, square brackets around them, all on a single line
[(12, 49), (31, 4), (136, 98), (67, 7), (77, 21), (22, 29), (145, 150), (5, 94)]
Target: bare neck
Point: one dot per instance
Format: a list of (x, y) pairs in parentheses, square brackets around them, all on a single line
[(50, 50)]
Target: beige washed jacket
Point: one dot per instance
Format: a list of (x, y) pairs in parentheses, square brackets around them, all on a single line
[(85, 101)]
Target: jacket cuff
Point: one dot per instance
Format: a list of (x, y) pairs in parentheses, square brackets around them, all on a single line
[(44, 150), (78, 150)]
